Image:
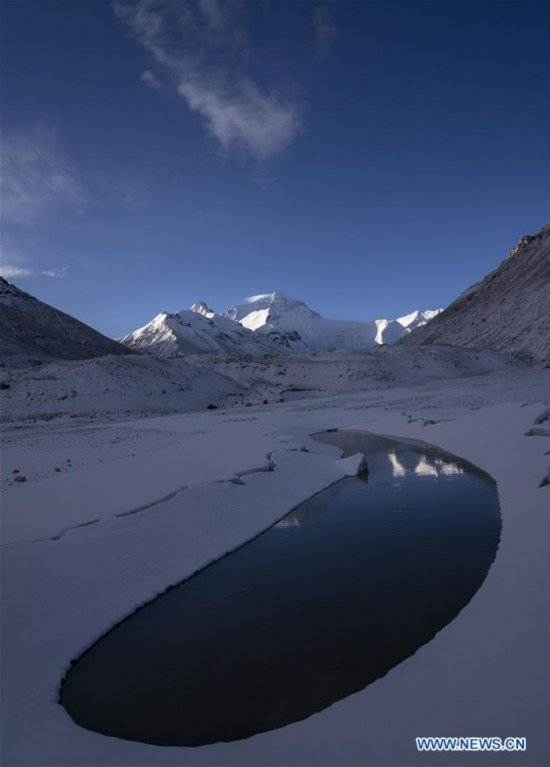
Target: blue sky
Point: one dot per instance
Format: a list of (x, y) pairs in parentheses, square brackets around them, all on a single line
[(369, 158)]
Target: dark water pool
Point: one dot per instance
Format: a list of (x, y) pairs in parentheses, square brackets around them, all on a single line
[(328, 600)]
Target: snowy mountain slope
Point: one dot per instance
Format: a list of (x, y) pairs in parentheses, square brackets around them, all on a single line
[(192, 331), (277, 313), (267, 321), (33, 330), (389, 331), (417, 319), (275, 310), (202, 308), (507, 311)]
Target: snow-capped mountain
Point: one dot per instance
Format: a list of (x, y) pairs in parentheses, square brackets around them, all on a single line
[(277, 315), (271, 311), (201, 308), (507, 311), (263, 322), (33, 330), (192, 331)]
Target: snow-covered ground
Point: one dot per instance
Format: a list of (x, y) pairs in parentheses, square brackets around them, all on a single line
[(141, 384), (138, 505)]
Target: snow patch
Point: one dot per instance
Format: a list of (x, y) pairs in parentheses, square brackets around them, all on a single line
[(353, 465)]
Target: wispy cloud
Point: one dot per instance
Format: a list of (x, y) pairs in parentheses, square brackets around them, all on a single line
[(203, 47), (247, 121), (35, 176), (324, 29), (15, 263), (9, 271), (150, 79)]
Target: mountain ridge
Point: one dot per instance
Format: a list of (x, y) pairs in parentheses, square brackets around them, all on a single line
[(508, 310), (33, 330), (262, 322)]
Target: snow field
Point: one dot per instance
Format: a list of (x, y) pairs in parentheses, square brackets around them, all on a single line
[(486, 672)]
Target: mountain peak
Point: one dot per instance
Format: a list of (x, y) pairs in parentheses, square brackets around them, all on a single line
[(270, 311), (268, 298), (417, 318), (201, 307)]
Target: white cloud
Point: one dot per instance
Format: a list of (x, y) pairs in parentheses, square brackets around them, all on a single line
[(202, 45), (256, 124), (35, 176), (53, 272), (9, 271)]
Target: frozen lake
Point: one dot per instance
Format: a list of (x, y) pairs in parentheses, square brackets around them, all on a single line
[(331, 598)]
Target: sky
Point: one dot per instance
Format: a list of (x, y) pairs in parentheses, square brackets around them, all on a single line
[(368, 158)]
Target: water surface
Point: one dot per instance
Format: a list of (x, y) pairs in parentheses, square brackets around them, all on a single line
[(331, 598)]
